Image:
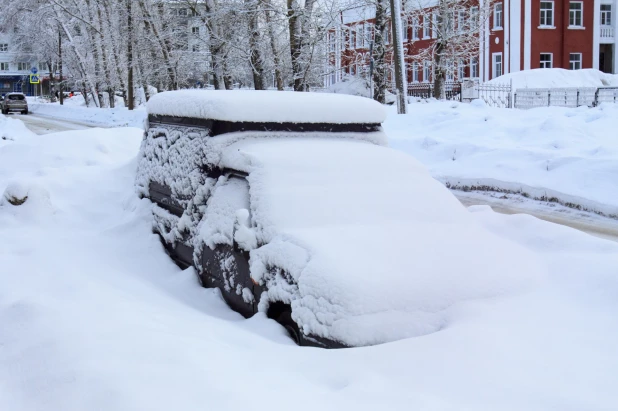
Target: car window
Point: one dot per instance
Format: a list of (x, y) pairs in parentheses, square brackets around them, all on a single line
[(228, 197), (16, 97)]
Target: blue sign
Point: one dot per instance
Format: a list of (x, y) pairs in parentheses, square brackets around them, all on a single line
[(34, 70)]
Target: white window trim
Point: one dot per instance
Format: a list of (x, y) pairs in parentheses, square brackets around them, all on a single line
[(581, 26), (426, 66), (434, 23), (573, 61), (494, 65), (426, 27), (404, 28), (415, 72), (474, 15), (551, 59), (498, 27), (415, 29), (462, 24), (477, 65), (553, 15), (606, 12)]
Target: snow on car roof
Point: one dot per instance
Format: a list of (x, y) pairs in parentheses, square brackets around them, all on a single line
[(379, 249), (267, 106)]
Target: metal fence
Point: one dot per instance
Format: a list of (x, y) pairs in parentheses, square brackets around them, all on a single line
[(493, 94), (425, 90), (565, 97)]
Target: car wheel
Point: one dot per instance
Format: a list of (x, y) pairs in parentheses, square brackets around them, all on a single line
[(285, 319), (24, 112)]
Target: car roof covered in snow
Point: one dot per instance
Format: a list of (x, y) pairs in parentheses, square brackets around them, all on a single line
[(379, 249), (267, 106)]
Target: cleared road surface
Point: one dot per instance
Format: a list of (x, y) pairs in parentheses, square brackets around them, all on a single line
[(44, 125), (591, 224)]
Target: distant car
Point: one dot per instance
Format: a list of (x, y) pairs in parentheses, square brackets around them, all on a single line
[(292, 205), (14, 102)]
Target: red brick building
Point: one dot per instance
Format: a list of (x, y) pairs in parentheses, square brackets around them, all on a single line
[(518, 35)]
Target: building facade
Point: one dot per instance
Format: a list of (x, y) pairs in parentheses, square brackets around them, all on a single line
[(14, 71), (517, 35)]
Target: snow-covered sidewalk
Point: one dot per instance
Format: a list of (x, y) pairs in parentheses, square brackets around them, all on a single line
[(106, 117), (553, 153), (96, 316)]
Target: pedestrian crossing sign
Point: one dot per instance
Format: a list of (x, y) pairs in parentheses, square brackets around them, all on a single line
[(34, 79)]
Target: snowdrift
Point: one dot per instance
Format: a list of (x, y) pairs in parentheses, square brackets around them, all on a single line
[(558, 78)]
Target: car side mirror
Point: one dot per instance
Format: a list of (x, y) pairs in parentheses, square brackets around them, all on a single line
[(244, 234)]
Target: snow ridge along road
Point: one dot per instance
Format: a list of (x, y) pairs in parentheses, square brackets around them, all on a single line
[(43, 125)]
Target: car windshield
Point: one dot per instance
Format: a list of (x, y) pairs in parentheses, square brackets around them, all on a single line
[(16, 97)]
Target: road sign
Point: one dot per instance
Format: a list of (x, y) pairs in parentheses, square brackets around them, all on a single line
[(34, 70), (34, 79)]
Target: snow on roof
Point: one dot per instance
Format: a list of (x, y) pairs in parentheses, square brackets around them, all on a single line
[(267, 106), (379, 249)]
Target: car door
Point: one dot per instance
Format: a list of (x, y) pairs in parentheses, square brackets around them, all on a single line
[(224, 264)]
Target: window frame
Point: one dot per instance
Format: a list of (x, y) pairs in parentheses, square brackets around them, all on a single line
[(572, 62), (606, 15), (474, 68), (195, 31), (414, 72), (404, 29), (6, 66), (573, 14), (426, 27), (543, 64), (498, 19), (474, 17), (462, 23), (426, 71), (4, 47), (461, 69), (415, 29), (494, 64), (360, 36), (545, 14)]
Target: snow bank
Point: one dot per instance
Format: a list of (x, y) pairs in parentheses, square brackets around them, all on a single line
[(558, 78), (12, 129), (267, 106), (387, 249), (562, 153), (105, 117), (94, 315), (356, 86)]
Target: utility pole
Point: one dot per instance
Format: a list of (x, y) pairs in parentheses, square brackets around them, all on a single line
[(60, 83), (130, 55), (398, 56)]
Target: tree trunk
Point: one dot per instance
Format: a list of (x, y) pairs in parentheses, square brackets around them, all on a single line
[(295, 44), (273, 46), (255, 58), (130, 55), (379, 52), (398, 56)]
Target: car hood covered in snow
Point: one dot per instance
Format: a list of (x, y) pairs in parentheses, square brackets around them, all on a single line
[(378, 249)]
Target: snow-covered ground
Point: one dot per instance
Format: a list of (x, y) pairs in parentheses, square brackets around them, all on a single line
[(95, 315), (74, 112), (557, 78), (569, 155)]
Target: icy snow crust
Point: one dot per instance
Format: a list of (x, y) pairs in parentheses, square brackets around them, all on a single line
[(378, 250), (267, 106)]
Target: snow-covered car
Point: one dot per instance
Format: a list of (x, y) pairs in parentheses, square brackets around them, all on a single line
[(14, 102), (293, 205)]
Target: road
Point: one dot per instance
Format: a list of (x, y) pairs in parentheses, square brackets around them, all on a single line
[(44, 125), (586, 222)]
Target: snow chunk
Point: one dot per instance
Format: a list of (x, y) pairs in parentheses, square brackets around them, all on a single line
[(267, 106)]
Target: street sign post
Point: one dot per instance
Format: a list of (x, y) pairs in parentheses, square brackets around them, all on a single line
[(34, 79), (34, 70)]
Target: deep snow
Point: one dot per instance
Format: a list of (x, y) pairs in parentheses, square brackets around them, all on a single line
[(555, 152)]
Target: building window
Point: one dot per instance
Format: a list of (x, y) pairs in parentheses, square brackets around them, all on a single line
[(498, 16), (386, 37), (434, 23), (331, 42), (195, 48), (474, 17), (360, 36), (404, 28), (415, 29), (182, 12), (368, 34), (497, 64), (4, 66), (606, 14), (547, 13), (474, 68), (426, 71), (576, 10), (575, 61), (195, 31), (426, 27), (450, 71), (461, 66), (353, 69), (352, 38), (415, 72), (461, 21), (43, 65), (546, 60), (4, 48), (23, 66)]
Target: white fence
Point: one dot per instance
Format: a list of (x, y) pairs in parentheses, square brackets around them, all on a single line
[(564, 97)]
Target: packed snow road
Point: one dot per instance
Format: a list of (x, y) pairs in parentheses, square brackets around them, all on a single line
[(42, 125)]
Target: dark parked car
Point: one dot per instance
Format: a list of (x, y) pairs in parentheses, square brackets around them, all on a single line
[(292, 205), (14, 102)]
